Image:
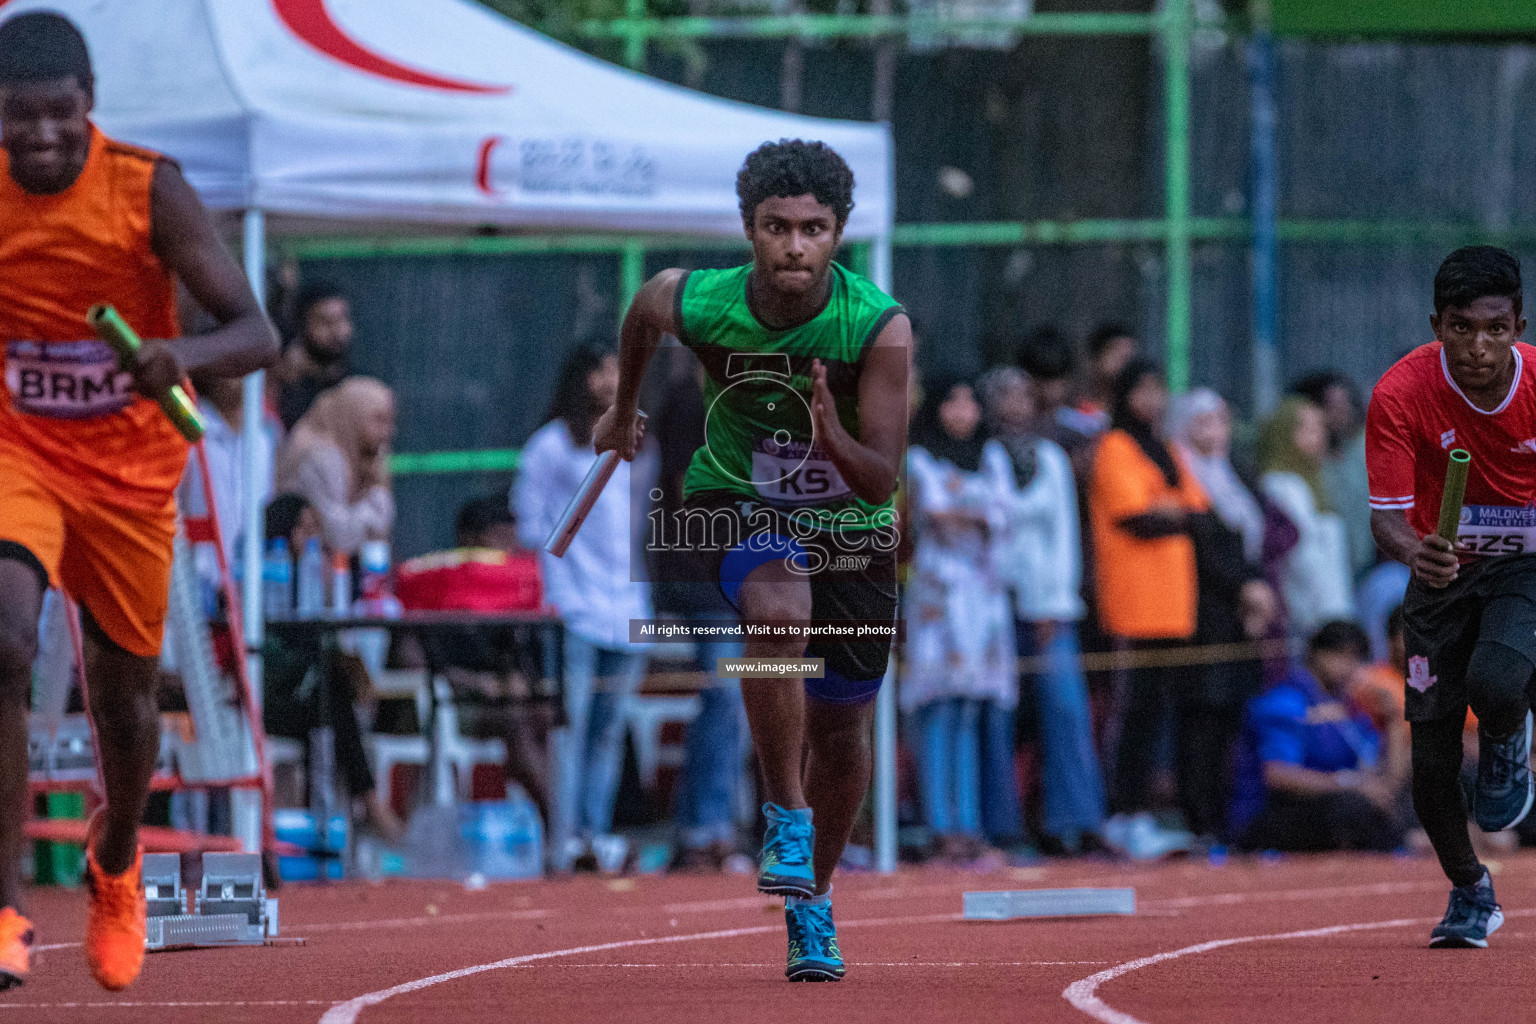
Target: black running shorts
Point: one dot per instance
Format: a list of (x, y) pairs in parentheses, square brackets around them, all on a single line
[(1492, 600), (721, 537)]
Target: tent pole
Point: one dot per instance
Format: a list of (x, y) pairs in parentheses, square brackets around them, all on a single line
[(245, 803), (885, 701), (254, 243)]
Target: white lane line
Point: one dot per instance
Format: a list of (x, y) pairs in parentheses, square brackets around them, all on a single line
[(346, 1013), (1083, 994), (851, 963), (412, 922), (720, 906), (1221, 898), (1286, 895), (362, 926)]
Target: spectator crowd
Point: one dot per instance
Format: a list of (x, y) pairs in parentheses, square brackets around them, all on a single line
[(1133, 625), (1240, 686)]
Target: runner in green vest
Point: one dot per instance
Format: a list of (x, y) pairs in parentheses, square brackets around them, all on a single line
[(788, 505)]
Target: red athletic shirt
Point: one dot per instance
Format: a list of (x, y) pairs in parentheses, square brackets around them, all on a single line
[(1418, 415)]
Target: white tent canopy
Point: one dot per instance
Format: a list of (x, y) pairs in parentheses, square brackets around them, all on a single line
[(393, 112)]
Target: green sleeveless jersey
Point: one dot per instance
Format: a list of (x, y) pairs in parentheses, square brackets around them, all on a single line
[(758, 441)]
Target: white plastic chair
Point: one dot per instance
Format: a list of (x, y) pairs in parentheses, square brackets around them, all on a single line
[(647, 715)]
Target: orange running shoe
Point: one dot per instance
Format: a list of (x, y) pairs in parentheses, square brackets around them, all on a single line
[(114, 925), (15, 948)]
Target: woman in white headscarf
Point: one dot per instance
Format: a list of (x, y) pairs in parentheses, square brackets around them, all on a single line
[(1040, 557), (960, 688), (338, 458), (1200, 424), (1233, 544)]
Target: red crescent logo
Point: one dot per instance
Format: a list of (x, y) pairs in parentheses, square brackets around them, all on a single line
[(483, 163), (311, 22)]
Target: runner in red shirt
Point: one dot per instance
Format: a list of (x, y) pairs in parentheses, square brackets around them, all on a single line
[(1470, 613)]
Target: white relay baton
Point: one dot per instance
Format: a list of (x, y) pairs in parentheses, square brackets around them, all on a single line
[(581, 503)]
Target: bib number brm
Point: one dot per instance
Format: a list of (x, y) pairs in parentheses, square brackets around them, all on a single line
[(68, 380), (1493, 530), (795, 473)]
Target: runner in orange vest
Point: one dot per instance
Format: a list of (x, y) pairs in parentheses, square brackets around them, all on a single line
[(88, 462)]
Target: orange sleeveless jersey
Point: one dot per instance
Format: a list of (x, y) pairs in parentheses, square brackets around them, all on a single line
[(65, 406)]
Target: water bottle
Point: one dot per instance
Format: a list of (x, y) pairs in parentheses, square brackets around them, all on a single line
[(277, 579), (311, 599), (341, 585), (372, 645), (504, 839), (373, 558), (434, 847), (209, 581)]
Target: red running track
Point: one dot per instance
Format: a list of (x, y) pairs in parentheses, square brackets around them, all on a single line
[(1302, 940)]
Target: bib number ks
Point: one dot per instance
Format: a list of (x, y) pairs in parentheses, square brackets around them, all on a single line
[(792, 475)]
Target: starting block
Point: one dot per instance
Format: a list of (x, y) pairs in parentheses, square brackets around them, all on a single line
[(1009, 904), (229, 908)]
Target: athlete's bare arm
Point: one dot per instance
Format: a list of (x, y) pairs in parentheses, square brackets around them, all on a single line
[(870, 463), (649, 317), (1431, 558), (183, 238)]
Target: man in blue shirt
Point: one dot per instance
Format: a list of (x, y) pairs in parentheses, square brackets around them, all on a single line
[(1310, 774)]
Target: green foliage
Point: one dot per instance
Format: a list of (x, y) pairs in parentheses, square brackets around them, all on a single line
[(559, 18)]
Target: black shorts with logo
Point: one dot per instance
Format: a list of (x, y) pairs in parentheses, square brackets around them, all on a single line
[(1492, 599), (722, 536)]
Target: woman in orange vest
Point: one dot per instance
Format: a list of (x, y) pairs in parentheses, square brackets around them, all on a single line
[(88, 463), (1141, 495)]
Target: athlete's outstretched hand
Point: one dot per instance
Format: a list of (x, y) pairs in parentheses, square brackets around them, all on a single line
[(1435, 562), (157, 369), (619, 433), (830, 435)]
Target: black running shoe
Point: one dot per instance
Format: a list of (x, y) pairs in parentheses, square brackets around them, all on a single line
[(1472, 916), (1505, 788)]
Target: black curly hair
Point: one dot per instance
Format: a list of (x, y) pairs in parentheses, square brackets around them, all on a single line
[(1475, 271), (40, 46), (794, 167)]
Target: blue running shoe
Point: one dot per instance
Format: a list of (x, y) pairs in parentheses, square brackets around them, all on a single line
[(813, 952), (785, 868), (1505, 788), (1472, 916)]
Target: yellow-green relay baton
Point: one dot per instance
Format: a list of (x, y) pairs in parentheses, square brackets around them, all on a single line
[(1455, 493), (176, 403)]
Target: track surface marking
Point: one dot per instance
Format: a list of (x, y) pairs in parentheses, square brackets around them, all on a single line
[(1083, 994), (685, 949), (346, 1013)]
